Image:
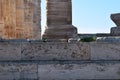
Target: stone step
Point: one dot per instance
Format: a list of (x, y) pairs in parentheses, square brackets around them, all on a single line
[(59, 70)]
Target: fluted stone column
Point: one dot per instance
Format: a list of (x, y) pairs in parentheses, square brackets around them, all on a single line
[(1, 18), (9, 18), (20, 19), (32, 19), (59, 20)]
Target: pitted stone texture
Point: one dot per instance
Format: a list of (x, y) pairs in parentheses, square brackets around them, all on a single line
[(59, 20), (9, 72), (55, 51), (15, 71), (59, 51), (105, 51), (10, 51), (28, 71), (79, 71)]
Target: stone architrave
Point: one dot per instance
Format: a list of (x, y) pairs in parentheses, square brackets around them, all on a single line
[(59, 20), (116, 19), (20, 19)]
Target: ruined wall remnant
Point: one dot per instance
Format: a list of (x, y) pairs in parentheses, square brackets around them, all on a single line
[(59, 20), (20, 19), (116, 19)]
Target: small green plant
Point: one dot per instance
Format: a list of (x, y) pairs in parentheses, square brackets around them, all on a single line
[(44, 39), (88, 39)]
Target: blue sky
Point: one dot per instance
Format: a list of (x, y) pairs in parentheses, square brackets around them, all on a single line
[(91, 16)]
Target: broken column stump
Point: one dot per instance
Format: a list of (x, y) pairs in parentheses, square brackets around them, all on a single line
[(116, 19), (59, 20)]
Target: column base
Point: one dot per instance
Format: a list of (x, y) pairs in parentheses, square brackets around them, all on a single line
[(115, 31), (60, 32)]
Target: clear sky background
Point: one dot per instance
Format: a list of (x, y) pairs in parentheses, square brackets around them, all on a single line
[(90, 16)]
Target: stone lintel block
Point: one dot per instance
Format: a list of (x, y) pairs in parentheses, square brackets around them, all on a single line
[(10, 51), (105, 51), (55, 51), (115, 31), (84, 71)]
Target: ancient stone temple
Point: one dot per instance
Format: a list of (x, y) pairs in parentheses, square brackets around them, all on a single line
[(20, 19), (59, 20)]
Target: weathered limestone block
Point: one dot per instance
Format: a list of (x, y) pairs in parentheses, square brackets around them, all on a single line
[(17, 71), (105, 51), (79, 71), (66, 70), (28, 71), (20, 19), (55, 51), (116, 19), (10, 51), (9, 72), (59, 51), (59, 20), (115, 31)]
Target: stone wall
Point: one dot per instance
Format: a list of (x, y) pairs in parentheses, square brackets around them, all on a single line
[(59, 51), (59, 60), (38, 70)]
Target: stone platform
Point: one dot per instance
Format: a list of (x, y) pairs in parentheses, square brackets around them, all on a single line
[(36, 60), (59, 70)]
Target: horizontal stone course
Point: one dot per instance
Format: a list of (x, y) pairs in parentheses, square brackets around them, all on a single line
[(31, 50), (105, 51), (10, 51), (59, 71), (85, 71), (55, 51), (18, 71), (36, 60)]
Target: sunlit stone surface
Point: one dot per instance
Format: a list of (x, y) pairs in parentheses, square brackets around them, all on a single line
[(20, 19), (59, 20)]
